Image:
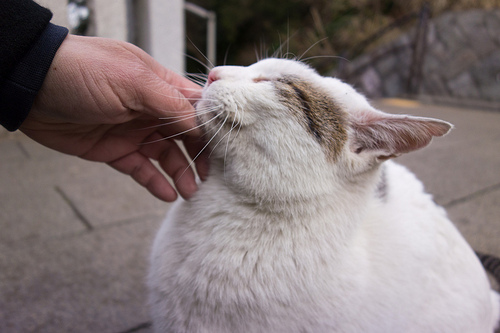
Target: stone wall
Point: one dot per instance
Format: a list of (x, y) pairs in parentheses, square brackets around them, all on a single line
[(461, 62)]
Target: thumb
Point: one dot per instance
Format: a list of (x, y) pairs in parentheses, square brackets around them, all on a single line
[(186, 87), (166, 102)]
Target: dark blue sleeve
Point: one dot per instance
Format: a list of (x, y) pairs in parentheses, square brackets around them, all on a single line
[(19, 89), (28, 43), (21, 23)]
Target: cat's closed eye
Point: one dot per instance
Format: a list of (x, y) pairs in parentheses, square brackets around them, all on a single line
[(260, 79)]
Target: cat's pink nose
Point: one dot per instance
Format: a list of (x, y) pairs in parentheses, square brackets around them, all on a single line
[(212, 77)]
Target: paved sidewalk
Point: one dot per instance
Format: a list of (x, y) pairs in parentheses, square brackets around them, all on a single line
[(75, 235)]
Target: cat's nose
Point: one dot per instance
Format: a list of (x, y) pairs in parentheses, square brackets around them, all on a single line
[(212, 77)]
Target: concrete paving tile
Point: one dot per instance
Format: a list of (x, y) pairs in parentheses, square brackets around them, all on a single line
[(88, 283), (101, 194), (30, 208), (450, 173), (3, 132), (11, 150), (29, 148), (27, 172), (57, 276), (469, 124), (41, 214), (462, 162), (479, 221), (37, 151), (105, 196)]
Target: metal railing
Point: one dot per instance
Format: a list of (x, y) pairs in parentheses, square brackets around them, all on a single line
[(211, 18)]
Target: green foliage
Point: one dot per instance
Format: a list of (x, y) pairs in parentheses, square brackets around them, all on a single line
[(252, 29)]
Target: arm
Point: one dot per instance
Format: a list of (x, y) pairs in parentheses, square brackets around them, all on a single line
[(102, 100), (28, 43)]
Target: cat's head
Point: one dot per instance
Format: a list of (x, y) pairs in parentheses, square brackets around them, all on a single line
[(282, 112)]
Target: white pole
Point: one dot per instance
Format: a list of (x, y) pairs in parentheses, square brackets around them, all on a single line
[(211, 18)]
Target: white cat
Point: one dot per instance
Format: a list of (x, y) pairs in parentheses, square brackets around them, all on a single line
[(302, 226)]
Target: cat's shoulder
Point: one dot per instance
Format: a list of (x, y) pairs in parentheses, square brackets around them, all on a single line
[(406, 198), (401, 179)]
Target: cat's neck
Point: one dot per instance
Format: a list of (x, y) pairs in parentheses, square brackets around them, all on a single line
[(301, 199)]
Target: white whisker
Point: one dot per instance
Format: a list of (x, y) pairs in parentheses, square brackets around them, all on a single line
[(207, 67), (226, 55), (227, 134), (288, 35), (180, 133), (233, 126), (201, 84), (204, 56), (310, 47), (169, 96), (177, 120), (262, 50), (198, 112), (280, 48), (256, 53), (199, 79), (197, 75), (324, 56), (279, 51), (239, 127), (204, 147), (292, 55)]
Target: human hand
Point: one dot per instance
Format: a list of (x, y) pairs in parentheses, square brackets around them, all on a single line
[(102, 100)]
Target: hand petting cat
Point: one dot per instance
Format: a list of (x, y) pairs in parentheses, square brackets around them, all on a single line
[(108, 101)]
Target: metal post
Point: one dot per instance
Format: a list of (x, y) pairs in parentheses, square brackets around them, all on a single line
[(211, 18), (211, 38)]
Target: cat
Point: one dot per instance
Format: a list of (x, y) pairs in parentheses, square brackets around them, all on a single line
[(305, 224)]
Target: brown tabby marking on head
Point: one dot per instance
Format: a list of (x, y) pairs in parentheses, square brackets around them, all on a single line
[(325, 120)]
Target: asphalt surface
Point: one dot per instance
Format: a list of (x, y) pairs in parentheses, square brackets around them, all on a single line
[(75, 235)]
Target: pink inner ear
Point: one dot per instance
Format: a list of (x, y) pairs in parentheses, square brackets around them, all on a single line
[(393, 135)]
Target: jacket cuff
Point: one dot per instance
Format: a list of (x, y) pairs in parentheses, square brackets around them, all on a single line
[(18, 91)]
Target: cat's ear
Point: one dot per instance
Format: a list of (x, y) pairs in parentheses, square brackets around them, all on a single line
[(387, 136)]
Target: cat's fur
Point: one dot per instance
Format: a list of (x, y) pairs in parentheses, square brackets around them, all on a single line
[(301, 225)]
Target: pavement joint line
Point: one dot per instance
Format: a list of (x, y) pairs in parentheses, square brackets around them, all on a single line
[(472, 196), (23, 150), (72, 235), (138, 328), (23, 243), (74, 208), (126, 221)]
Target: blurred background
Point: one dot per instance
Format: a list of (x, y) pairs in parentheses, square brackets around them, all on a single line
[(443, 49), (76, 235)]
